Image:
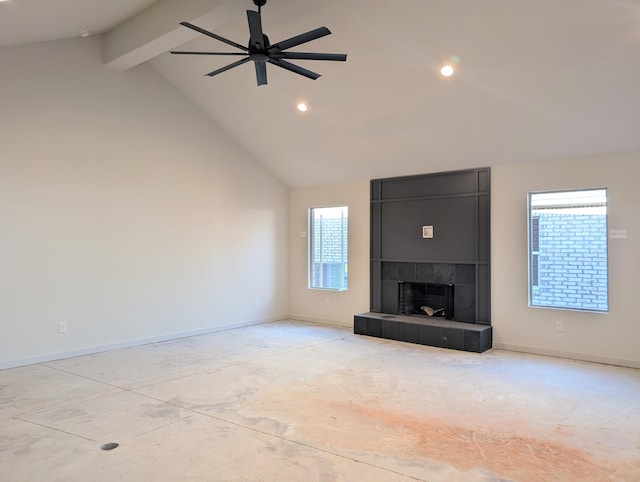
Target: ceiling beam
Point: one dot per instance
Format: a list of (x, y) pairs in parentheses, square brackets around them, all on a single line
[(157, 29)]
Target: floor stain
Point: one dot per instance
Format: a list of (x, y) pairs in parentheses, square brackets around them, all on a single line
[(509, 452), (507, 455)]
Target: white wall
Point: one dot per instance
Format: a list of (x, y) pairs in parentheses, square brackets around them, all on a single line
[(337, 307), (612, 337), (124, 211)]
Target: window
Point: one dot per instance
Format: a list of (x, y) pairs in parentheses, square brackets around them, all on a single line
[(568, 250), (328, 243)]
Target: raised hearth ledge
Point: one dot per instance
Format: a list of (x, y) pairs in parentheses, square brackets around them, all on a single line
[(436, 332)]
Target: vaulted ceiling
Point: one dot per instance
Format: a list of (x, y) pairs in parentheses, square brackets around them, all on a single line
[(535, 80)]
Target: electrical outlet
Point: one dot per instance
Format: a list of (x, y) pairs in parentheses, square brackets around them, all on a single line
[(256, 302), (559, 326), (62, 327), (327, 301)]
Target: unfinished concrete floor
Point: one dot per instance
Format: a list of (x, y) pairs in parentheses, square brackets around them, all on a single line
[(293, 401)]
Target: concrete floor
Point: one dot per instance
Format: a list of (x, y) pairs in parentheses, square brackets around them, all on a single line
[(292, 401)]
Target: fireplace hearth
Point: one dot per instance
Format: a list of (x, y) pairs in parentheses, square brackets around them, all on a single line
[(426, 299)]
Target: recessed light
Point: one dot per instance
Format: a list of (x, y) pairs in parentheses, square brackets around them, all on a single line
[(302, 107), (447, 70), (84, 33)]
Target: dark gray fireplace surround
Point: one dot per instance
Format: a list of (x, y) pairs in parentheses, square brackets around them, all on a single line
[(430, 246)]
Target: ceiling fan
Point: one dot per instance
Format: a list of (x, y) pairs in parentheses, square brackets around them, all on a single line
[(262, 52)]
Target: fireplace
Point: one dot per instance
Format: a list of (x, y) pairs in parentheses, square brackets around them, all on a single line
[(430, 255), (426, 299)]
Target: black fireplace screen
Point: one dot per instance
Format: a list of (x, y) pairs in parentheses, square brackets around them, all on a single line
[(427, 299)]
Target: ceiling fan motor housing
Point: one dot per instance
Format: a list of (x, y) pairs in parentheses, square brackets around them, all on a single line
[(259, 49)]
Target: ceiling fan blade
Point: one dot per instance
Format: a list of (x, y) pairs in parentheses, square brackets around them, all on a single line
[(294, 68), (207, 53), (256, 38), (300, 39), (309, 56), (213, 35), (227, 67), (261, 73)]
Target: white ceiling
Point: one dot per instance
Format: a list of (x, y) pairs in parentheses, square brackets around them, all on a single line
[(29, 21), (544, 79)]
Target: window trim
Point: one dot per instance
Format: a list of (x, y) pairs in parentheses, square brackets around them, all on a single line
[(531, 254), (310, 252)]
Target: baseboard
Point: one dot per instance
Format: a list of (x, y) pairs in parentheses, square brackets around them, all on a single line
[(346, 324), (136, 342), (562, 354)]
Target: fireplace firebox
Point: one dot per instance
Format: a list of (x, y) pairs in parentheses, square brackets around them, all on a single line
[(426, 299)]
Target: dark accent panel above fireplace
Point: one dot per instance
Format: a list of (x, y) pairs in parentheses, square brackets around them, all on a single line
[(453, 221), (440, 184)]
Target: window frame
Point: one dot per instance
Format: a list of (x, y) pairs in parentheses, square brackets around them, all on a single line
[(344, 284), (533, 256)]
